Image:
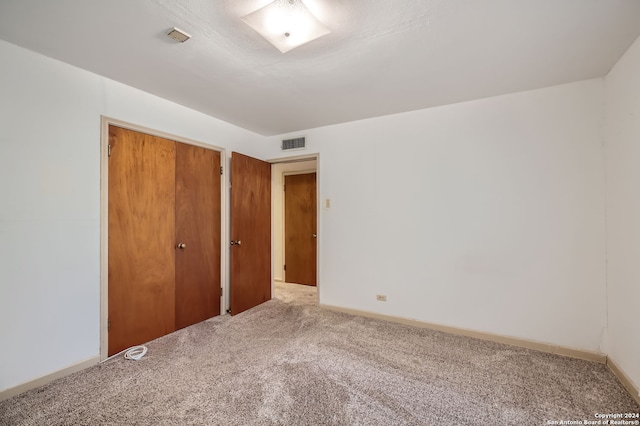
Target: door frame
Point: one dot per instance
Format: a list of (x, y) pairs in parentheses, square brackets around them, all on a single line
[(297, 159), (105, 122)]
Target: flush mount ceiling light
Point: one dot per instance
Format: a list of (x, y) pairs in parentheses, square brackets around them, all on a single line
[(286, 24)]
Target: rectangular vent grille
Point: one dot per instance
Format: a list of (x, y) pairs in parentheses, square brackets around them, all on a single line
[(295, 143)]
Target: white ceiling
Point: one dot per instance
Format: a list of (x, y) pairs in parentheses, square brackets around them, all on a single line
[(382, 56)]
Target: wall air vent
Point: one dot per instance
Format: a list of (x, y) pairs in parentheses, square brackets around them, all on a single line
[(295, 143)]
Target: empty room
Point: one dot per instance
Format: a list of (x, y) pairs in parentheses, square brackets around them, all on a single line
[(305, 212)]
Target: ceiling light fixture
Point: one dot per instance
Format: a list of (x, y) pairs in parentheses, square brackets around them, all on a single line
[(286, 24)]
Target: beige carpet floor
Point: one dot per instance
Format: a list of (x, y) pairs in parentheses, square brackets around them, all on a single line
[(288, 362)]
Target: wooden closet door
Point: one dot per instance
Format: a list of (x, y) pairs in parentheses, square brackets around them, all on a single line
[(141, 238), (198, 228)]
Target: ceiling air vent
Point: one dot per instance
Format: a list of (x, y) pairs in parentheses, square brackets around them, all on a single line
[(295, 143), (178, 35)]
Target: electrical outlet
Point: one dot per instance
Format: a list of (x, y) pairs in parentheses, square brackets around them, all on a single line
[(381, 298)]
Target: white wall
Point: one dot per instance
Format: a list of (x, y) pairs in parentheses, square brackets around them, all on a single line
[(622, 133), (487, 215), (50, 190)]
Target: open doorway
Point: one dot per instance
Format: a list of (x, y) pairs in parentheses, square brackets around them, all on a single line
[(302, 280)]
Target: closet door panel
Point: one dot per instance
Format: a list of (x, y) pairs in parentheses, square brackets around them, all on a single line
[(141, 238), (197, 234)]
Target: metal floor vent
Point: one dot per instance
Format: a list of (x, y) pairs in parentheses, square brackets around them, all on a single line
[(295, 143)]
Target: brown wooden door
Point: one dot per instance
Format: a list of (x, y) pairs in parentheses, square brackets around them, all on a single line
[(300, 228), (141, 238), (161, 193), (198, 228), (251, 228)]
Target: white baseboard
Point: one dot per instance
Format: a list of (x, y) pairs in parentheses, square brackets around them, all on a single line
[(631, 387), (513, 341), (40, 381)]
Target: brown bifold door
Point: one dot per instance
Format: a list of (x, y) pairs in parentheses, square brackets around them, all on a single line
[(141, 238), (164, 237), (300, 218), (250, 232), (197, 234)]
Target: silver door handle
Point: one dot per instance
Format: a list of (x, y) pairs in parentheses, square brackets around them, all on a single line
[(315, 236), (181, 246), (236, 242)]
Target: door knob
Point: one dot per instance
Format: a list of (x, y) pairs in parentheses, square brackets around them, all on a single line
[(181, 246), (315, 236), (236, 242)]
